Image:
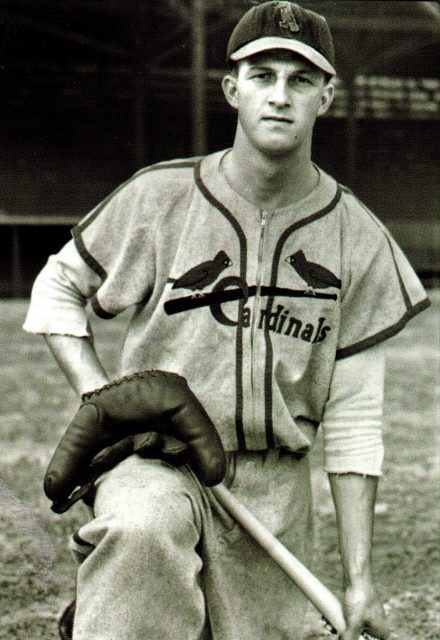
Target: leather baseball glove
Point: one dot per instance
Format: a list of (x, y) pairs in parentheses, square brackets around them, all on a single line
[(156, 401)]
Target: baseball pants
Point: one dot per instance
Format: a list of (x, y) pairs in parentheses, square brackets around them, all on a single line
[(161, 560)]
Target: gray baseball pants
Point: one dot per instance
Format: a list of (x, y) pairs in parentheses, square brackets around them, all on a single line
[(161, 560)]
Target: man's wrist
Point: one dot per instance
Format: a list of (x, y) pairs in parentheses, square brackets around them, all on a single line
[(358, 577)]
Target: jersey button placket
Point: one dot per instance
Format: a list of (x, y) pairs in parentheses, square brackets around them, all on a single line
[(257, 357)]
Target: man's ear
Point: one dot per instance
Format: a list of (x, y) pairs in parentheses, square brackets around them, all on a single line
[(328, 94), (229, 85)]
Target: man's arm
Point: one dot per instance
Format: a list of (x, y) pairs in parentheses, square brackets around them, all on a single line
[(58, 312), (353, 450), (79, 361), (354, 496)]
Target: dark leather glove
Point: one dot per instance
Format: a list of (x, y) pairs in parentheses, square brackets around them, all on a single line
[(152, 400)]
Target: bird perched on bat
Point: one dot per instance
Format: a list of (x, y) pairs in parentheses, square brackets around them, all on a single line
[(204, 274), (315, 275)]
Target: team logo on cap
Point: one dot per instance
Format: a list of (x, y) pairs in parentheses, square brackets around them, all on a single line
[(288, 18)]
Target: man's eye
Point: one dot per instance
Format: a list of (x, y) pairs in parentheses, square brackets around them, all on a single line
[(263, 75), (301, 80)]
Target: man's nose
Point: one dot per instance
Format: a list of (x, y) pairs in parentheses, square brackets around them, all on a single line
[(279, 96)]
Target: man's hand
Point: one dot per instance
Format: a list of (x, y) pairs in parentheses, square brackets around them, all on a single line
[(145, 445), (364, 612)]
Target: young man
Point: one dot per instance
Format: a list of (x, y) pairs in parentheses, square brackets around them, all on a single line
[(271, 289)]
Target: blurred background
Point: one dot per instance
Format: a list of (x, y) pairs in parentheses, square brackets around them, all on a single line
[(93, 90)]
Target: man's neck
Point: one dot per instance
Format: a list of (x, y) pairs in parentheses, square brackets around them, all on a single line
[(270, 182)]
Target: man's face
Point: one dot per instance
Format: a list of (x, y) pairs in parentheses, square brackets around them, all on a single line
[(278, 97)]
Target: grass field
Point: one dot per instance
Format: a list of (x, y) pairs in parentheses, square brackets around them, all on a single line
[(37, 573)]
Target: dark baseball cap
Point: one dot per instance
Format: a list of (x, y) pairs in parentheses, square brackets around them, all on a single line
[(283, 25)]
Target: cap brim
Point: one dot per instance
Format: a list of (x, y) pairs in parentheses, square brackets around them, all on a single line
[(273, 42)]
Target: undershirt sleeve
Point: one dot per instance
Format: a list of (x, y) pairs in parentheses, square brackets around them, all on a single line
[(352, 422), (60, 294)]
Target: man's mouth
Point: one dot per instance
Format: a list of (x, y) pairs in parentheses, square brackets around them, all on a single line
[(277, 119)]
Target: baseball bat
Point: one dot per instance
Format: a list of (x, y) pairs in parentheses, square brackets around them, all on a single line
[(320, 596)]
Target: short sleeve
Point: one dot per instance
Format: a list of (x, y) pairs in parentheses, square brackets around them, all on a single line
[(382, 290), (122, 240), (114, 240)]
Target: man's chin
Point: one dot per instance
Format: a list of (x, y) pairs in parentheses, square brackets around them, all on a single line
[(278, 150)]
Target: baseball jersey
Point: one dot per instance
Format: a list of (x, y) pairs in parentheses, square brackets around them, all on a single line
[(253, 307)]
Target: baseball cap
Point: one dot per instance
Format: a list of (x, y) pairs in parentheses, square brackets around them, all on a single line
[(283, 25)]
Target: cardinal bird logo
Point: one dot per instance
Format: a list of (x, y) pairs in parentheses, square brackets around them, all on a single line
[(316, 276), (204, 274)]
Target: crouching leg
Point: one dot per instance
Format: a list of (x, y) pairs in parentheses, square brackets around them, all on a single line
[(141, 574)]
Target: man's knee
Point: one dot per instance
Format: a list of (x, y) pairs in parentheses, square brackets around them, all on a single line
[(157, 519), (148, 503)]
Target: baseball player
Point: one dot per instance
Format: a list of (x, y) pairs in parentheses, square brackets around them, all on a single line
[(271, 290)]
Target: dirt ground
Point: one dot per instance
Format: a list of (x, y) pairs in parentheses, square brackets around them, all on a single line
[(37, 572)]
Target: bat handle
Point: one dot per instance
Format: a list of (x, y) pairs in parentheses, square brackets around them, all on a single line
[(320, 596)]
